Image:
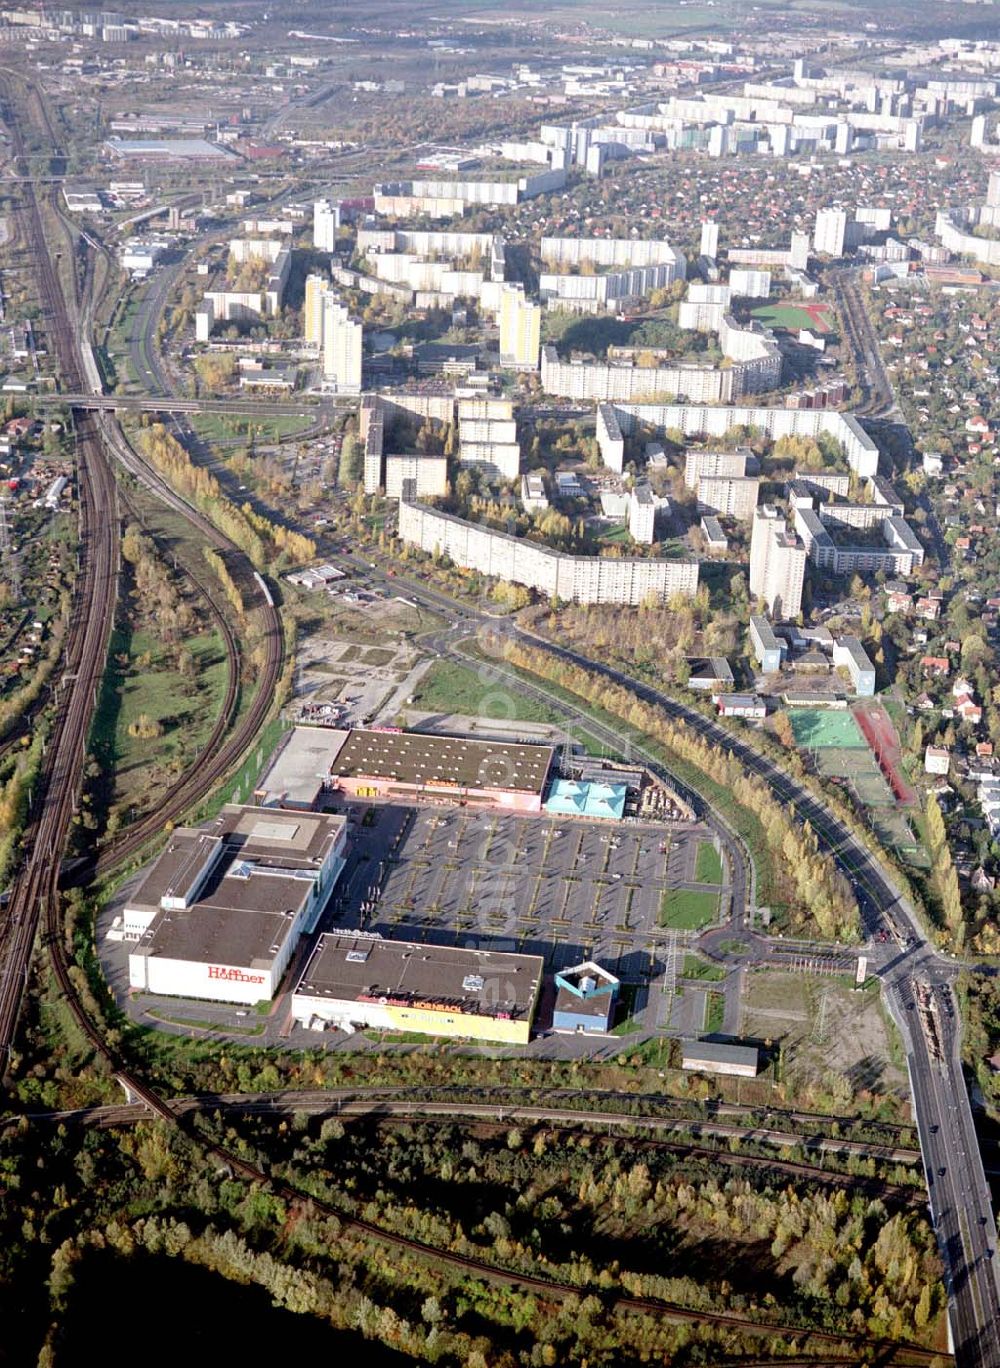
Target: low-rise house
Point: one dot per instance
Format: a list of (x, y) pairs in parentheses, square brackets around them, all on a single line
[(747, 706), (937, 760)]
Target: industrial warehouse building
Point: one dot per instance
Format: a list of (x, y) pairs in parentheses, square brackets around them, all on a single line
[(388, 763), (359, 980), (221, 911)]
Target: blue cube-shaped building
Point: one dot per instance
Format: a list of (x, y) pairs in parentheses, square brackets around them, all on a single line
[(586, 996)]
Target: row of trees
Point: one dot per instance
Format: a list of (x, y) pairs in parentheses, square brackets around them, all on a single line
[(258, 537), (824, 898)]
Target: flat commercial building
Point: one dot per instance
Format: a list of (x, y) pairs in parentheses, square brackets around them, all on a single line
[(167, 149), (715, 539), (575, 579), (221, 911), (391, 764), (586, 996), (358, 981), (849, 653), (299, 770), (766, 647)]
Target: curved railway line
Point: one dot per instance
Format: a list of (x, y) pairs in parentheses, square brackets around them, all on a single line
[(34, 895), (370, 1105)]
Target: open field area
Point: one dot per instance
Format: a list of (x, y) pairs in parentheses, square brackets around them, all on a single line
[(834, 1040), (451, 687), (689, 909), (708, 864)]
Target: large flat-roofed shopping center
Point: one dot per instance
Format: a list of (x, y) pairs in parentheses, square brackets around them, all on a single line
[(220, 913), (354, 981), (405, 765), (426, 939)]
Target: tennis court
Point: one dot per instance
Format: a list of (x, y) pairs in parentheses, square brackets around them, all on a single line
[(819, 729)]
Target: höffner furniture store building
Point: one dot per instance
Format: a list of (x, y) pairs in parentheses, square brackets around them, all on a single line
[(220, 913)]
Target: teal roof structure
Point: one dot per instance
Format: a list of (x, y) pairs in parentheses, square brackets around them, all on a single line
[(573, 798)]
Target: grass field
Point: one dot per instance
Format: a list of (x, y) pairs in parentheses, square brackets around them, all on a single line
[(708, 864), (186, 708), (222, 427), (814, 728), (686, 910), (816, 317), (450, 687), (715, 1011), (697, 968)]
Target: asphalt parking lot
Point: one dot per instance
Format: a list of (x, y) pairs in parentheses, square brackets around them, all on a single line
[(563, 889), (560, 888)]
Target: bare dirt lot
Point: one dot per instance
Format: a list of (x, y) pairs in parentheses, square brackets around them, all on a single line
[(833, 1038)]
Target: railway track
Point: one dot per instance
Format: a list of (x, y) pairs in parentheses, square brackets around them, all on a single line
[(489, 1116), (34, 893)]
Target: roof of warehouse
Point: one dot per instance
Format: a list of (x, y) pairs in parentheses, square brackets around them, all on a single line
[(718, 1053), (350, 967), (298, 768), (265, 870), (416, 758)]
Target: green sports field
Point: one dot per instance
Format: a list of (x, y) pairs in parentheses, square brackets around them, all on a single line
[(815, 728), (815, 317)]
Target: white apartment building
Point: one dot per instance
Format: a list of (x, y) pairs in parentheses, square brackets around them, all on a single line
[(610, 439), (342, 346), (728, 496), (730, 465), (695, 420), (326, 221), (777, 563), (429, 475), (642, 515), (487, 433), (830, 235), (746, 283), (577, 579), (615, 253)]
